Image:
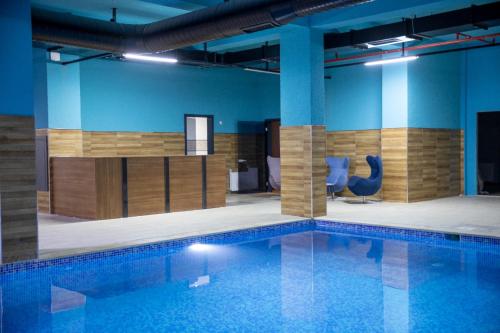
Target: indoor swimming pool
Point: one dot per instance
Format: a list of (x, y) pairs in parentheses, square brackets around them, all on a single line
[(307, 276)]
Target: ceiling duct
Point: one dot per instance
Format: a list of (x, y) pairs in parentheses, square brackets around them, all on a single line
[(226, 19)]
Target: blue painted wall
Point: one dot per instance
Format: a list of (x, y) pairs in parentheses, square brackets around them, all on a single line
[(16, 75), (40, 103), (482, 80), (395, 95), (354, 98), (63, 95), (133, 96), (434, 91), (302, 77)]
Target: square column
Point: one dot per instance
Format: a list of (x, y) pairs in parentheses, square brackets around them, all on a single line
[(18, 219), (303, 134)]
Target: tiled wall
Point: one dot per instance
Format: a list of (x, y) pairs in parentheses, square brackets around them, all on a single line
[(18, 188), (303, 171)]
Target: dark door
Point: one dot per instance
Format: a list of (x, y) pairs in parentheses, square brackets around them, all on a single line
[(272, 143), (488, 153)]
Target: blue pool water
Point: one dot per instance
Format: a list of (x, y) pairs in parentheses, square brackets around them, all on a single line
[(297, 278)]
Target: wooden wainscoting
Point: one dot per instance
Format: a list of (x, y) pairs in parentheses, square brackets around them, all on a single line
[(356, 145), (123, 144), (185, 183), (227, 144), (434, 163), (65, 143), (395, 160), (18, 200), (303, 171), (43, 201), (146, 186), (421, 164)]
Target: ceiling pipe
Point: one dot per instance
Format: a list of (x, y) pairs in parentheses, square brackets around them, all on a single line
[(226, 19), (413, 48)]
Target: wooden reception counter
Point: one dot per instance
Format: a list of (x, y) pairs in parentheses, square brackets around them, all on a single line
[(113, 187)]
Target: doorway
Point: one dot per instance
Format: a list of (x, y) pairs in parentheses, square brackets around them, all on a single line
[(198, 134), (272, 144), (488, 153)]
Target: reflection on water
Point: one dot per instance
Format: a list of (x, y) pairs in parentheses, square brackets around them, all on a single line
[(305, 282)]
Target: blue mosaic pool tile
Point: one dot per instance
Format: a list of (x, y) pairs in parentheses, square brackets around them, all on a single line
[(415, 235), (253, 234), (165, 247)]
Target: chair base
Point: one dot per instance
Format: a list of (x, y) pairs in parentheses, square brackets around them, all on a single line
[(363, 201)]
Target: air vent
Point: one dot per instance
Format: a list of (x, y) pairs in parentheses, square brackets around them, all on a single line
[(390, 41)]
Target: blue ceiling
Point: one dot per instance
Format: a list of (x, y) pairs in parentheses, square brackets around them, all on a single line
[(361, 16)]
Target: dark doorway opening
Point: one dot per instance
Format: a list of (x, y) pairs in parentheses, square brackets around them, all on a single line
[(488, 153), (198, 134), (272, 144), (251, 160)]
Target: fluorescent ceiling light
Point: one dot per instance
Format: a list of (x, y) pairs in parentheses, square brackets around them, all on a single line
[(261, 71), (150, 58), (389, 41), (390, 61)]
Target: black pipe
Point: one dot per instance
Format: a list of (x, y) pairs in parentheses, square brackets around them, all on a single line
[(223, 20)]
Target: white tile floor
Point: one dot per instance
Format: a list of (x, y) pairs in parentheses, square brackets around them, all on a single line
[(61, 236)]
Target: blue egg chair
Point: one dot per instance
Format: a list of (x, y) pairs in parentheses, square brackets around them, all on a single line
[(368, 186), (338, 174)]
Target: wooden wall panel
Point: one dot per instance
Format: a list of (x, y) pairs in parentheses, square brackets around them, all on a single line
[(303, 170), (65, 143), (356, 145), (108, 180), (185, 183), (395, 159), (73, 180), (123, 144), (227, 145), (18, 200), (216, 181), (146, 186), (434, 163), (43, 201)]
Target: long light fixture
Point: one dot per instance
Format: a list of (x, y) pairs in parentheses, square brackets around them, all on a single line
[(257, 70), (149, 58), (391, 61)]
